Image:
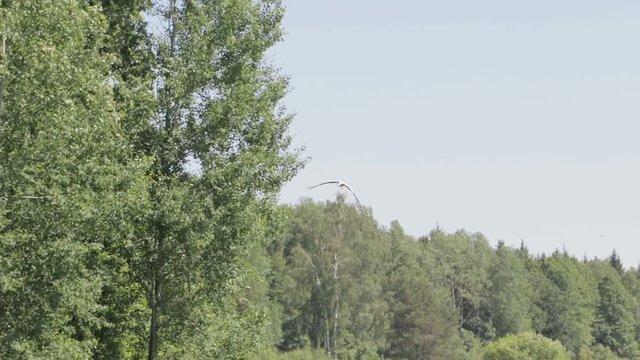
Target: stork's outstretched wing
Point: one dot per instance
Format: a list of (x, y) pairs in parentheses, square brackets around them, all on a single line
[(357, 200), (323, 183)]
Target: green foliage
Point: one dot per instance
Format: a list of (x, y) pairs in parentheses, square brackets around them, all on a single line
[(525, 346), (441, 297), (510, 293), (472, 345), (598, 352), (392, 300), (614, 325), (217, 110), (615, 262), (69, 184), (461, 263), (301, 354), (139, 172), (124, 208), (330, 283), (539, 284), (568, 301), (424, 322)]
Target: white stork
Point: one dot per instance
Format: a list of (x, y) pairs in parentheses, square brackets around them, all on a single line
[(341, 185)]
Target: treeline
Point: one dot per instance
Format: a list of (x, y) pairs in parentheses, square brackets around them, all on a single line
[(350, 289)]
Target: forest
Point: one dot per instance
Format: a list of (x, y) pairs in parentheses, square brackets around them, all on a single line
[(143, 145), (350, 288)]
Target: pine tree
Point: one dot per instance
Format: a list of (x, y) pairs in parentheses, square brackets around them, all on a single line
[(615, 323), (615, 262)]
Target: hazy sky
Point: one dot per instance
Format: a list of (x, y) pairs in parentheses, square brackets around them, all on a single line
[(515, 119)]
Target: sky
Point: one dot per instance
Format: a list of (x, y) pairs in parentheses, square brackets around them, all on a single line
[(515, 119)]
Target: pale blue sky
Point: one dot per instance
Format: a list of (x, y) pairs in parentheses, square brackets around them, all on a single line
[(516, 119)]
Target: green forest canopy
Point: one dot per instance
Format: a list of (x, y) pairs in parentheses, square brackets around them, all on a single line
[(113, 247)]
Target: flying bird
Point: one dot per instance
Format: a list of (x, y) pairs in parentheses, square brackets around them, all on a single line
[(341, 185)]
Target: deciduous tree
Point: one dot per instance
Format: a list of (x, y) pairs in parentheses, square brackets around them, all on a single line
[(70, 186), (525, 346)]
